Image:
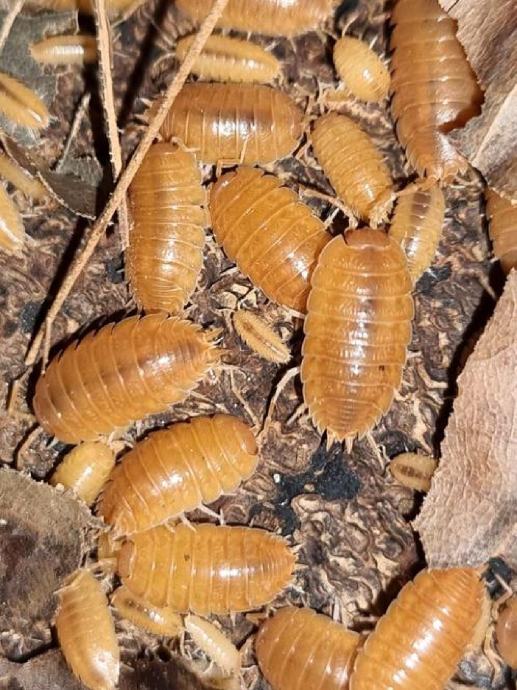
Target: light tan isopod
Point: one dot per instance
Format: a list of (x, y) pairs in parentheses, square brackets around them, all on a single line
[(21, 179), (154, 619), (214, 644), (413, 470), (502, 215), (86, 632), (361, 69), (231, 59), (260, 337), (85, 470), (22, 105), (12, 232), (74, 49)]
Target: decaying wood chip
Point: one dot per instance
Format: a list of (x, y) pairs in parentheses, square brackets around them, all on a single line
[(470, 514)]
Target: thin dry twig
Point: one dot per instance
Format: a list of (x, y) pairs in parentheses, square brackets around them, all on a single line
[(9, 21), (74, 129), (127, 175)]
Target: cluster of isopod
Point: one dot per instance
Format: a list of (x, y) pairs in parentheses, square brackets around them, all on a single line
[(354, 292)]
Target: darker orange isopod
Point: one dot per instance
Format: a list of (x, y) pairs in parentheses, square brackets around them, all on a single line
[(506, 632), (502, 216)]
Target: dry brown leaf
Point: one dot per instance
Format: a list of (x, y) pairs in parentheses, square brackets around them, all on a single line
[(470, 514), (488, 32)]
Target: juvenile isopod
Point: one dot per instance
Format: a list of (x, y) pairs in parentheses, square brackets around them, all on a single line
[(74, 49), (22, 105), (361, 69), (434, 88), (120, 374), (165, 253), (235, 123), (413, 470), (271, 235), (354, 166), (231, 59), (86, 632), (272, 17), (299, 648), (17, 176), (12, 232), (176, 470), (506, 633), (357, 329), (424, 634), (260, 337), (154, 619), (417, 226), (214, 643), (206, 568), (85, 470), (502, 216)]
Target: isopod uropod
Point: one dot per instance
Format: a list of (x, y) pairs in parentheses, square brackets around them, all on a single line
[(121, 373), (361, 69), (502, 216), (21, 179), (506, 632), (357, 329), (85, 470), (231, 59), (298, 648), (12, 232), (413, 470), (260, 337), (271, 235), (214, 643), (22, 105), (165, 253), (154, 619), (86, 632), (73, 49), (177, 469), (207, 568), (424, 634)]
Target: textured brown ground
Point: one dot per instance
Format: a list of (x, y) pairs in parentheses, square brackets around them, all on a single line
[(344, 513)]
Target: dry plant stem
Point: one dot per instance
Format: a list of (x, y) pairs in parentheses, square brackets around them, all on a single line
[(126, 177), (9, 21)]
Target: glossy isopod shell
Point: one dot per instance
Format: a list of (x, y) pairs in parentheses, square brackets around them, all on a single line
[(424, 634), (156, 620), (176, 470), (214, 643), (207, 568), (413, 470), (85, 470), (86, 632), (299, 648), (506, 632), (120, 374), (272, 236), (12, 232), (21, 179), (354, 166), (260, 337), (434, 88), (235, 123), (417, 226), (231, 59), (22, 105), (361, 69), (502, 216), (166, 241), (271, 17), (73, 49), (357, 330)]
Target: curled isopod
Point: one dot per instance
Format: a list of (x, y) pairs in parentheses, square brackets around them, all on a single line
[(21, 179), (85, 470), (122, 373), (72, 49), (260, 337), (154, 619), (234, 123), (502, 216), (424, 634), (506, 632), (176, 470), (231, 59), (361, 69), (413, 470), (12, 232), (22, 105), (299, 648), (354, 166), (206, 568), (86, 632), (214, 643)]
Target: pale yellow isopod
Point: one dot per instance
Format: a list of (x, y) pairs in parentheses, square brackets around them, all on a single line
[(361, 69), (157, 620), (85, 470), (214, 643), (21, 179), (413, 470), (21, 104), (260, 337), (73, 49), (12, 233)]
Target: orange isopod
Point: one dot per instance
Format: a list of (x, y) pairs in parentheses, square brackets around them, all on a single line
[(413, 470), (271, 235), (424, 634), (12, 232), (357, 329), (22, 105), (86, 632), (299, 648), (354, 166), (231, 59), (361, 69), (206, 568), (175, 470), (434, 88), (156, 620), (272, 17), (122, 373), (72, 49), (502, 215), (85, 470), (21, 179), (165, 253), (417, 226), (260, 337), (506, 633), (235, 123)]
